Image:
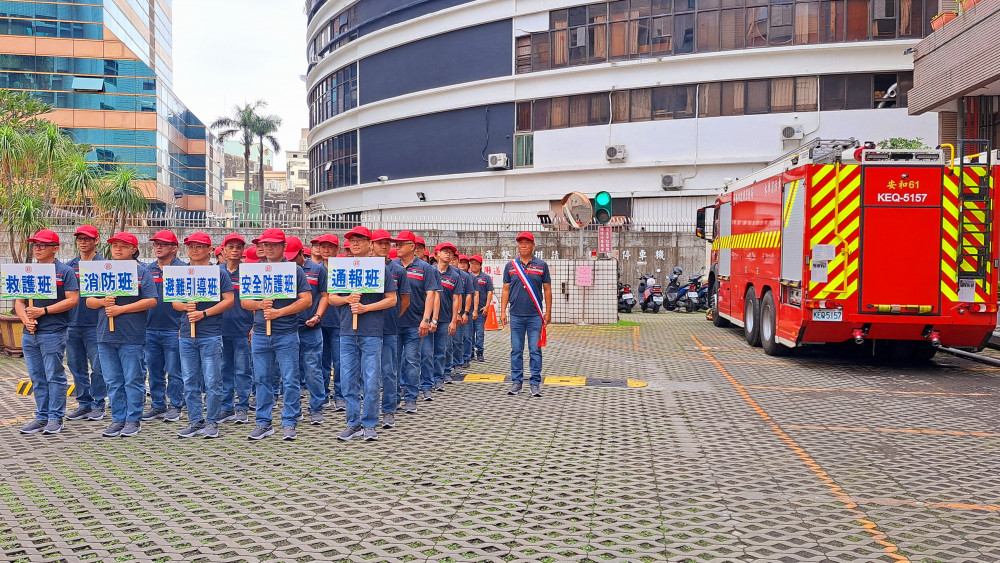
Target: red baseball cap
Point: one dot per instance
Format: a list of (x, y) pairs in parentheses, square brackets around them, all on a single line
[(477, 258), (526, 235), (306, 251), (233, 237), (86, 231), (250, 255), (45, 236), (198, 237), (381, 234), (462, 257), (293, 245), (331, 238), (164, 236), (445, 245), (125, 237), (360, 231), (271, 235), (419, 241), (342, 255), (218, 251), (393, 254), (405, 236)]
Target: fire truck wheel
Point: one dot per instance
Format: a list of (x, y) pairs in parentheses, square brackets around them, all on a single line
[(768, 327), (751, 317), (923, 351), (717, 319)]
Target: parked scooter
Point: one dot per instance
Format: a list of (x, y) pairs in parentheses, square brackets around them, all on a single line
[(692, 297), (703, 304), (626, 299), (651, 292), (674, 291)]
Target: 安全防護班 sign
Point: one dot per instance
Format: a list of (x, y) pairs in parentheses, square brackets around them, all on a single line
[(268, 280)]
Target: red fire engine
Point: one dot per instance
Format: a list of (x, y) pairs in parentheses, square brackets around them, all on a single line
[(840, 242)]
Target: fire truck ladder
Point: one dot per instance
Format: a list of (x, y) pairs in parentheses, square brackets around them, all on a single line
[(975, 212), (819, 151)]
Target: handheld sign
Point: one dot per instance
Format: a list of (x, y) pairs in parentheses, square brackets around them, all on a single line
[(28, 281), (356, 275), (267, 280), (109, 278), (191, 284)]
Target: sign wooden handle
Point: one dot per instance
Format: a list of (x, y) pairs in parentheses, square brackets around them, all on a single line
[(111, 324), (269, 328), (192, 330), (31, 303), (355, 321)]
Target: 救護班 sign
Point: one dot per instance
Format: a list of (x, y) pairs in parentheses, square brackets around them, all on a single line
[(268, 280), (191, 283), (356, 275), (28, 281), (114, 278)]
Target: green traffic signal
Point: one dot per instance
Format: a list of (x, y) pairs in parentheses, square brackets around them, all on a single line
[(602, 208)]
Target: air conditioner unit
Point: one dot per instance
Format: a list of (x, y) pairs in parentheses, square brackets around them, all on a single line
[(315, 59), (498, 161), (671, 182), (615, 153), (790, 132)]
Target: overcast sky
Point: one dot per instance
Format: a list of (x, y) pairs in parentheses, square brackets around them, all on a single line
[(229, 52)]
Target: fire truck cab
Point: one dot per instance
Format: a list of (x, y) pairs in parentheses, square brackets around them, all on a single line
[(837, 242)]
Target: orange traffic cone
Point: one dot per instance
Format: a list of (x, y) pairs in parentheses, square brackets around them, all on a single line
[(491, 319)]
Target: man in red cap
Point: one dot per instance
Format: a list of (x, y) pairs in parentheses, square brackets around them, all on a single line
[(463, 343), (81, 339), (163, 358), (237, 378), (250, 255), (446, 321), (483, 300), (201, 354), (524, 281), (415, 324), (44, 340), (361, 348), (310, 332), (382, 243), (329, 246), (121, 349), (281, 348), (420, 250)]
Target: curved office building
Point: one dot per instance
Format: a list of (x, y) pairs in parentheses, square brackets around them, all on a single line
[(415, 105)]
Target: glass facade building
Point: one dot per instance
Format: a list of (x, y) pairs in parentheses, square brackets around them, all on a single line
[(106, 68)]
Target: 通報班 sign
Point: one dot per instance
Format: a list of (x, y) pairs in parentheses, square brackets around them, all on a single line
[(28, 281), (356, 275)]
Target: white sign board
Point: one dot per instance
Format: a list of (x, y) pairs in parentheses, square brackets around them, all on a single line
[(103, 278), (191, 283), (28, 281), (267, 280), (356, 275)]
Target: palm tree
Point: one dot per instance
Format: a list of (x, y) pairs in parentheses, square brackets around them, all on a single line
[(12, 155), (242, 125), (50, 146), (264, 128), (78, 181), (24, 216), (121, 196)]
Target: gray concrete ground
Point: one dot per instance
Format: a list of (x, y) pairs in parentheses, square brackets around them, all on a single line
[(727, 455)]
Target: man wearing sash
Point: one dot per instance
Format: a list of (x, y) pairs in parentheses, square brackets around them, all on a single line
[(524, 280), (44, 340)]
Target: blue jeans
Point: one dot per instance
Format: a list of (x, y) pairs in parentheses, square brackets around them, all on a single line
[(43, 353), (439, 350), (519, 327), (409, 343), (85, 365), (122, 368), (331, 362), (310, 368), (360, 358), (428, 358), (163, 360), (390, 373), (237, 379), (479, 336), (277, 352), (201, 361)]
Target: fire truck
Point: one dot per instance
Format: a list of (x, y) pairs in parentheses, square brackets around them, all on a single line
[(893, 249)]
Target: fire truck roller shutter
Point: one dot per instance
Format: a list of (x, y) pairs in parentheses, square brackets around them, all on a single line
[(725, 230), (793, 225)]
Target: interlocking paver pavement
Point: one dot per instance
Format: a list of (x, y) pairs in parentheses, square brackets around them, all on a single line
[(727, 455)]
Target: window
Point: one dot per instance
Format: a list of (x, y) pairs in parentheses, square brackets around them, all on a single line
[(661, 32), (523, 116), (758, 96), (524, 151), (733, 98), (334, 163), (806, 90), (600, 109), (782, 95), (859, 91), (684, 33), (577, 45), (620, 106), (560, 112), (660, 103), (756, 27), (540, 114), (708, 31), (523, 48), (641, 105), (731, 28), (782, 25), (806, 23), (579, 111), (832, 92), (539, 51), (857, 20), (710, 99), (831, 21)]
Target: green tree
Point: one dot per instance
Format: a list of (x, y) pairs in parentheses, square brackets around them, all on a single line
[(79, 179), (23, 215), (902, 143), (242, 126), (264, 129), (120, 196), (21, 110)]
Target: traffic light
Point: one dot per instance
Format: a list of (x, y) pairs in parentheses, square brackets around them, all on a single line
[(602, 208)]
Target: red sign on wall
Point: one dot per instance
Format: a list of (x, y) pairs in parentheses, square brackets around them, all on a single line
[(604, 239)]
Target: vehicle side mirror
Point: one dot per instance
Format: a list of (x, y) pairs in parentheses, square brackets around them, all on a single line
[(657, 270), (705, 222)]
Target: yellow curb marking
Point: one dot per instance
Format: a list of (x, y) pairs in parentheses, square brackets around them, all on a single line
[(485, 377), (571, 381)]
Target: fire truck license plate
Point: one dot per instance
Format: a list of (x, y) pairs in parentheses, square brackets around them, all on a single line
[(828, 314)]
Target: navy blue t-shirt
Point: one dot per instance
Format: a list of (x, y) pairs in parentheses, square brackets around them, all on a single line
[(130, 328), (484, 285), (316, 278), (398, 274), (470, 288), (236, 321), (163, 316), (421, 277), (331, 318), (520, 302), (209, 326), (369, 324), (66, 280), (287, 324), (82, 316), (452, 283)]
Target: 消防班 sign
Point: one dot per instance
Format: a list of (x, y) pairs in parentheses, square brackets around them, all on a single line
[(114, 278)]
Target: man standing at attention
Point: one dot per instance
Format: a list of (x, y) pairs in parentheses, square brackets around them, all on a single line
[(449, 306), (163, 358), (44, 338), (415, 325), (310, 332), (382, 243), (483, 300), (81, 340), (524, 280), (237, 379)]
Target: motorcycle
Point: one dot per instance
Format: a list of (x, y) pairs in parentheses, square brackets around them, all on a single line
[(626, 299), (692, 301), (703, 296), (674, 290), (651, 292)]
